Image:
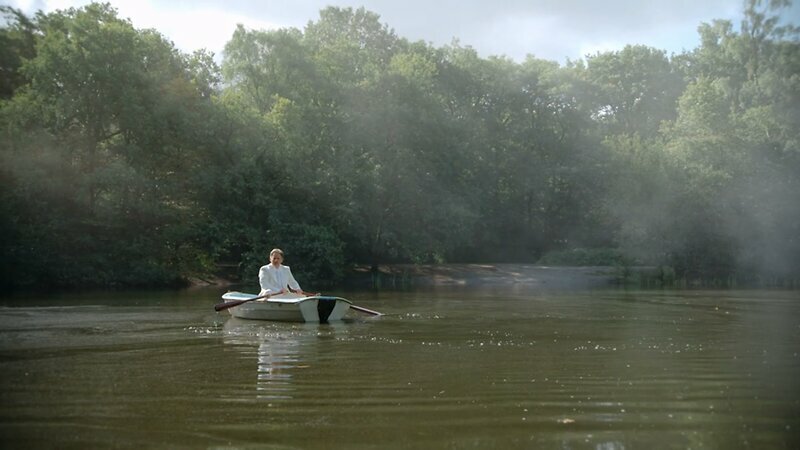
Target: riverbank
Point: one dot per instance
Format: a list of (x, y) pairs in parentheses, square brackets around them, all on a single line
[(408, 275), (556, 277)]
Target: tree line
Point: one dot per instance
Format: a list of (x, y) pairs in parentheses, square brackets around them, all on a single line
[(127, 162)]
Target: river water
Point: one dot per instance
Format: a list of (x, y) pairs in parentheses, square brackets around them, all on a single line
[(444, 368)]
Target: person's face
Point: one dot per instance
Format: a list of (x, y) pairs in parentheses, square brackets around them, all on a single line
[(276, 259)]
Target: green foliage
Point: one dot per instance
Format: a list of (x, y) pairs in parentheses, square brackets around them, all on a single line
[(17, 43), (714, 195), (99, 151), (630, 91), (318, 251), (125, 162)]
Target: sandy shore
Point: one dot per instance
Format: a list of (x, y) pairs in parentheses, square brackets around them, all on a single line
[(497, 274)]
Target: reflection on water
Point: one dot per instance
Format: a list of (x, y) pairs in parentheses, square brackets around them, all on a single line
[(276, 349), (445, 368), (275, 361)]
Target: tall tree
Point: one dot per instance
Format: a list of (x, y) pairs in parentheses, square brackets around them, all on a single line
[(114, 110), (630, 91), (17, 43)]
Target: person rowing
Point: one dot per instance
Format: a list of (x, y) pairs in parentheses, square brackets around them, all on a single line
[(275, 278)]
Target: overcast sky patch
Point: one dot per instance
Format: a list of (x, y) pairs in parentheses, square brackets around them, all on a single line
[(549, 29)]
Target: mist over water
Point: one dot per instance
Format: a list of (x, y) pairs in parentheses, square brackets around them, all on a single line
[(767, 222)]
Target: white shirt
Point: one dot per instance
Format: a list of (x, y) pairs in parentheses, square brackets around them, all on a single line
[(273, 279)]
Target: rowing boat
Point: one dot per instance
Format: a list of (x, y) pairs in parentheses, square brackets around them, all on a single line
[(288, 307)]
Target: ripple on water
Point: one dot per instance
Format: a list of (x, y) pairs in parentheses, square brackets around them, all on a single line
[(440, 370)]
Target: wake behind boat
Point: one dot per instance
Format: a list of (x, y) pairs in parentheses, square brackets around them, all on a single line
[(288, 307)]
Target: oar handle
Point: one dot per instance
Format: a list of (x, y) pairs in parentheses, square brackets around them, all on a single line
[(225, 305)]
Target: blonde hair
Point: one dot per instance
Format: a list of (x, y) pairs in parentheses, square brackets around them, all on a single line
[(275, 250)]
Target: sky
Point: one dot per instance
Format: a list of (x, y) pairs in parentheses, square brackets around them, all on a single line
[(556, 30)]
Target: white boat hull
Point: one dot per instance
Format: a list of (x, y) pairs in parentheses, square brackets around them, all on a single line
[(289, 307)]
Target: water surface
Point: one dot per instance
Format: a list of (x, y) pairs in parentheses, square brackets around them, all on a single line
[(445, 368)]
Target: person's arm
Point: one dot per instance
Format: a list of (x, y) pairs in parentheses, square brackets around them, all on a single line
[(293, 284), (295, 287)]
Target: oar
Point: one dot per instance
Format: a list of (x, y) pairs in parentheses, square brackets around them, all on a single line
[(365, 310), (352, 306), (226, 305)]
